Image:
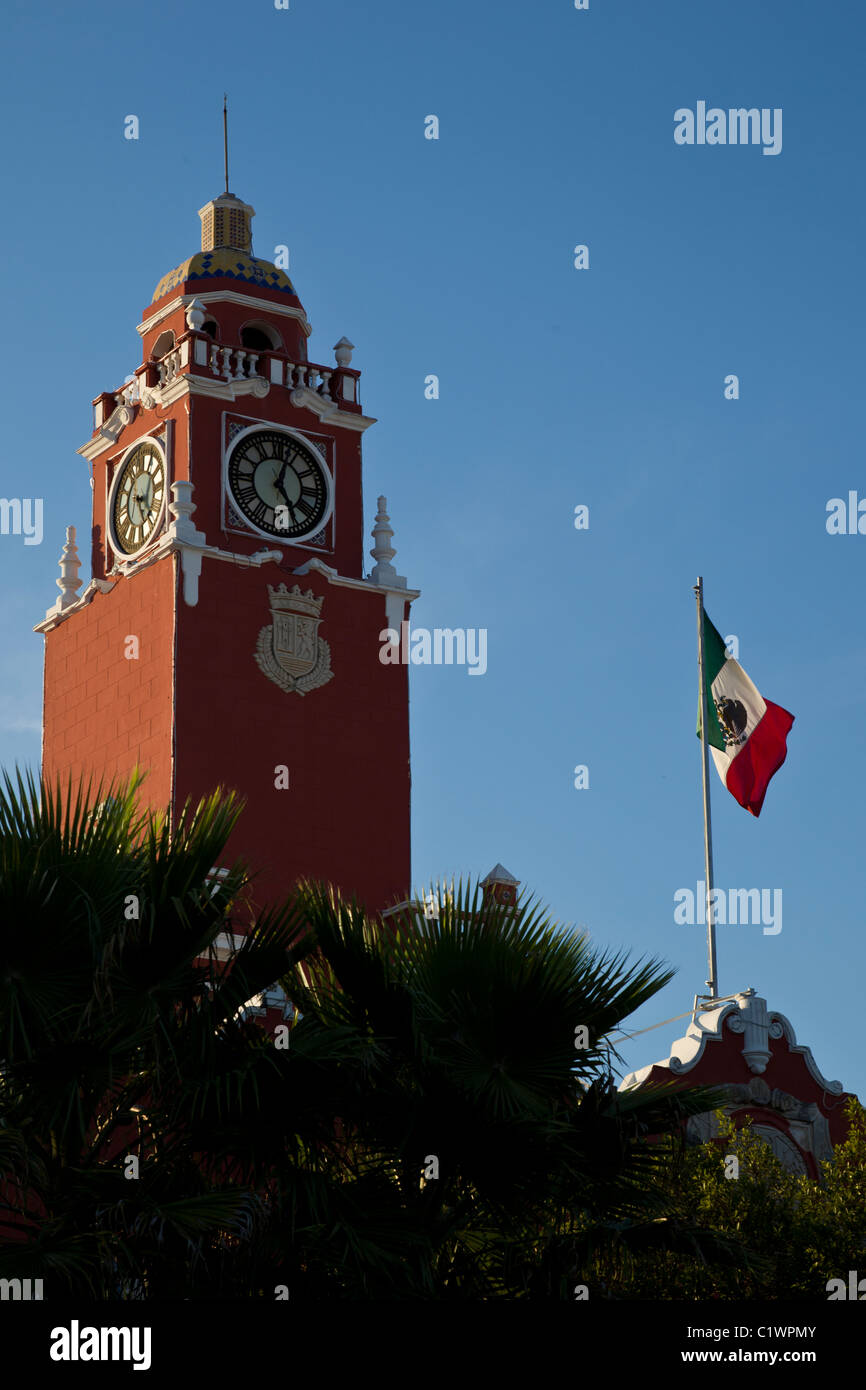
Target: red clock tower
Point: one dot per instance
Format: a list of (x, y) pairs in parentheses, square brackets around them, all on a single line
[(228, 635)]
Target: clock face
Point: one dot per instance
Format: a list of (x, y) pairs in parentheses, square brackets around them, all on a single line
[(278, 484), (137, 497)]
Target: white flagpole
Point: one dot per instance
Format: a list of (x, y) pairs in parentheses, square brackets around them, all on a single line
[(712, 982)]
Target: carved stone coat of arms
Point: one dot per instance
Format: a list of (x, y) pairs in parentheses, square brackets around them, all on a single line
[(290, 651)]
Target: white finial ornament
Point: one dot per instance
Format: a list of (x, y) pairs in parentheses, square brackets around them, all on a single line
[(343, 352), (195, 314), (383, 552), (182, 508), (69, 564)]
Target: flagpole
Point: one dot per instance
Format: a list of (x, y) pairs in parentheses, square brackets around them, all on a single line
[(226, 137), (712, 982)]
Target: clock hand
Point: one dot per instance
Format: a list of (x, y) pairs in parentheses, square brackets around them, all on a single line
[(142, 498), (279, 485)]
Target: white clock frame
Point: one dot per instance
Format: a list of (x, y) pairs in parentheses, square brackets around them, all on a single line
[(120, 553), (229, 497)]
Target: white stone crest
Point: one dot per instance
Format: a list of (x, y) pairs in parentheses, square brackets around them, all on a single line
[(290, 651)]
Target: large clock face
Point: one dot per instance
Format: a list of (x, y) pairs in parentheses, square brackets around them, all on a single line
[(137, 497), (278, 484)]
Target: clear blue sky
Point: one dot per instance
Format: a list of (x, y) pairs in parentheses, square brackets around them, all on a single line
[(558, 387)]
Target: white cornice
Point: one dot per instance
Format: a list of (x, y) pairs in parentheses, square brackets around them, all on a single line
[(109, 431), (327, 409), (163, 313), (184, 540), (57, 615), (191, 385), (779, 1024), (94, 447), (343, 581), (395, 598), (191, 554), (225, 297), (708, 1027)]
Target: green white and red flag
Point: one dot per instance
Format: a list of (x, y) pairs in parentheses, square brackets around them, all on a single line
[(747, 734)]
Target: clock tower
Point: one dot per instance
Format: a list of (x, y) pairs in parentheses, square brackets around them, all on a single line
[(229, 635)]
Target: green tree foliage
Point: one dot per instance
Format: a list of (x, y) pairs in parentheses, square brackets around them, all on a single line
[(431, 1131), (786, 1235)]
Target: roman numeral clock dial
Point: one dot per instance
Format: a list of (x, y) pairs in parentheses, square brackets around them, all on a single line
[(137, 498), (278, 484)]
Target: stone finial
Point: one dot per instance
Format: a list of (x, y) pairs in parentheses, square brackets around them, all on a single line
[(69, 564), (343, 352), (382, 533), (181, 505), (195, 314), (383, 552)]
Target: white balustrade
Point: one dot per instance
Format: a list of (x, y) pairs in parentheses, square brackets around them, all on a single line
[(168, 367), (240, 364)]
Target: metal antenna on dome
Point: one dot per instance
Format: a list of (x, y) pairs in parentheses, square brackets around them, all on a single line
[(226, 138)]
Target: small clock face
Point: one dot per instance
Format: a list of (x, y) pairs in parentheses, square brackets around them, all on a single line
[(278, 484), (138, 497)]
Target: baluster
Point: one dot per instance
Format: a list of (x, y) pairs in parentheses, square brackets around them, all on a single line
[(325, 388), (226, 353)]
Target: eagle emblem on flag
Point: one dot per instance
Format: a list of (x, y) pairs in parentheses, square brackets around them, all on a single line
[(733, 719)]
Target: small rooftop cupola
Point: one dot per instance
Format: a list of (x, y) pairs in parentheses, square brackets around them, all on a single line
[(227, 254), (225, 224), (500, 886)]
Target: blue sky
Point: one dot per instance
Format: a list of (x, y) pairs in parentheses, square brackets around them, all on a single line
[(557, 387)]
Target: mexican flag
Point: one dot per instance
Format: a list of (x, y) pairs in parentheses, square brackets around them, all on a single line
[(746, 733)]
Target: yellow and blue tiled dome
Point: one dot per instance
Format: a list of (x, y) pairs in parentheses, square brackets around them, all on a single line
[(225, 262), (226, 251)]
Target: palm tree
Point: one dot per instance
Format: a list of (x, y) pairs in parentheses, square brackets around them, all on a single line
[(465, 1067), (430, 1131), (104, 916)]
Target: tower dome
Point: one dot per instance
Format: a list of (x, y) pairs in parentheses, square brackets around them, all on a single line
[(226, 254)]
